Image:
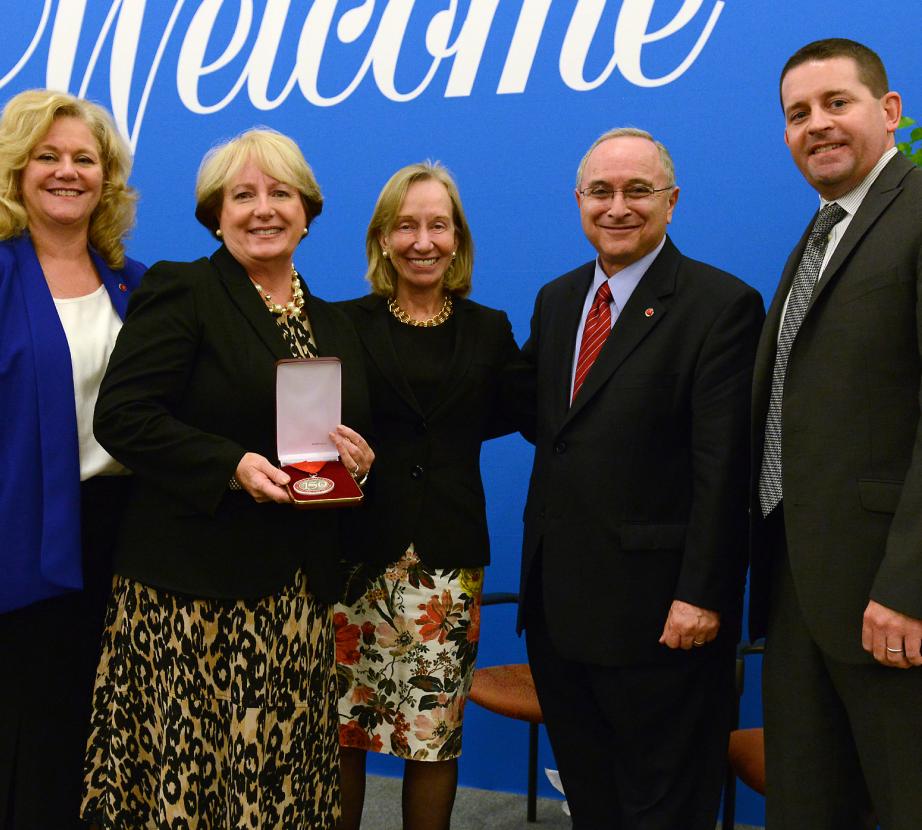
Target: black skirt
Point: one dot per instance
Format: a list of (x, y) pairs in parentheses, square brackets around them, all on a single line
[(48, 656)]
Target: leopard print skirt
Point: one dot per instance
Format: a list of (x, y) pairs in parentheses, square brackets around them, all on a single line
[(213, 714)]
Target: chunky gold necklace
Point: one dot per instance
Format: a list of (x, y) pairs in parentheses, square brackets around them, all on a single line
[(293, 307), (444, 313)]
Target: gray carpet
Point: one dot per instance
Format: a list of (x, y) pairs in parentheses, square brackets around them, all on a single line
[(474, 809)]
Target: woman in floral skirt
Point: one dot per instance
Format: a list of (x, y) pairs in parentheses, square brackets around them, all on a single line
[(443, 376)]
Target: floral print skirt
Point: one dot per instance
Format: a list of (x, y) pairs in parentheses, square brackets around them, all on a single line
[(405, 655), (214, 714)]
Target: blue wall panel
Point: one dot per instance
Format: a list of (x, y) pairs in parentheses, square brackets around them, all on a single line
[(507, 93)]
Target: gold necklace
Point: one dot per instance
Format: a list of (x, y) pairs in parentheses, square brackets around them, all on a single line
[(443, 314), (293, 307)]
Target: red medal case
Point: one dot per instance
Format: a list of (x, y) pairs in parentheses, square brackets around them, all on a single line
[(308, 395)]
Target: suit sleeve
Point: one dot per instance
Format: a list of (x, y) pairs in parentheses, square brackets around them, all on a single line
[(898, 583), (529, 359), (514, 404), (714, 560), (150, 367)]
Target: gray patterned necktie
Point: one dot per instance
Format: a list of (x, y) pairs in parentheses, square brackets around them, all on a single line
[(801, 291)]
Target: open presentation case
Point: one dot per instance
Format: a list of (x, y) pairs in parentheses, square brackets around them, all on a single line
[(308, 409)]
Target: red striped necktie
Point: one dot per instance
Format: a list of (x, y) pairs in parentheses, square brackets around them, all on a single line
[(595, 332)]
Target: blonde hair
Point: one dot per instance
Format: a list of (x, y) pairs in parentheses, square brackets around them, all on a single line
[(273, 153), (381, 272), (25, 121)]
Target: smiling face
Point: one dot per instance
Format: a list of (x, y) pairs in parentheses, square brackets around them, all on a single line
[(835, 128), (622, 233), (421, 243), (62, 182), (262, 220)]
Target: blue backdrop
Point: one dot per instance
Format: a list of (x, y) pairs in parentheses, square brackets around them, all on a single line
[(507, 93)]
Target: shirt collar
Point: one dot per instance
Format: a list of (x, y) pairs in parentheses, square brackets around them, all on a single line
[(852, 200), (623, 283)]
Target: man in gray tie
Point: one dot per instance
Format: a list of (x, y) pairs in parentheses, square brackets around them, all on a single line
[(837, 491)]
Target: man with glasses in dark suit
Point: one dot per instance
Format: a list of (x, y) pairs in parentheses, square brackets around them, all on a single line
[(635, 526)]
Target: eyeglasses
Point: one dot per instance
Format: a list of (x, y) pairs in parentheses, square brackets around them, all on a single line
[(635, 194)]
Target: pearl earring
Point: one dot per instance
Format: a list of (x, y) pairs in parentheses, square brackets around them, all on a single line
[(385, 253), (219, 233)]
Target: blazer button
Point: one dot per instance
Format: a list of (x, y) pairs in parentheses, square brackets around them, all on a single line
[(416, 472), (560, 447)]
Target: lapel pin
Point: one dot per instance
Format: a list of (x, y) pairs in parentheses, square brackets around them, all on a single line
[(122, 287), (648, 312)]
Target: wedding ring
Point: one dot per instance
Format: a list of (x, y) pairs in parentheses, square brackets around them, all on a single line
[(697, 642), (895, 650), (355, 470)]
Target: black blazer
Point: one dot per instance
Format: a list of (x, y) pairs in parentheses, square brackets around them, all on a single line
[(189, 389), (638, 494), (426, 484), (852, 443)]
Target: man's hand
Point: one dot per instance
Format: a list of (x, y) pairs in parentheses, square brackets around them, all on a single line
[(891, 637), (688, 626)]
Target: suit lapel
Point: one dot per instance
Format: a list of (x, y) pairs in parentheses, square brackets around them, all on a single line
[(115, 284), (563, 338), (884, 190), (377, 341), (245, 297), (643, 312), (54, 390), (326, 337)]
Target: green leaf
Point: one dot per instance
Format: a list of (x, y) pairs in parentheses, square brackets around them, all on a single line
[(427, 684), (905, 121), (452, 746), (428, 702), (916, 134)]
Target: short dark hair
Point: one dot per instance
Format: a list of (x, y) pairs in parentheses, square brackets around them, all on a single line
[(871, 70)]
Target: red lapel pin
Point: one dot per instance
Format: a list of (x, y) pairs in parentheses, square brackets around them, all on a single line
[(122, 287), (648, 312)]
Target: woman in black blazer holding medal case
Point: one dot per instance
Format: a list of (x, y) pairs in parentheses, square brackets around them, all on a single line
[(215, 696), (443, 377)]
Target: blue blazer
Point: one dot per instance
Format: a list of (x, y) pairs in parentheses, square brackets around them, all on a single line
[(40, 475)]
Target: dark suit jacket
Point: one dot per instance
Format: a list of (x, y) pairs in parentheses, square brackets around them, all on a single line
[(189, 389), (426, 484), (638, 493), (852, 447)]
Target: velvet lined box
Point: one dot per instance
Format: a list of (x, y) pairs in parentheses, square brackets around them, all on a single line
[(308, 408)]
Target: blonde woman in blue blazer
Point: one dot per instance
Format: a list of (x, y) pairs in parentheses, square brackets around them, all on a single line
[(65, 208)]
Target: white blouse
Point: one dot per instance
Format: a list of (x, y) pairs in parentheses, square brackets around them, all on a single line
[(91, 326)]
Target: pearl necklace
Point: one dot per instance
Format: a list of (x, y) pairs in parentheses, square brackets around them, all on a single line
[(444, 313), (293, 307)]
